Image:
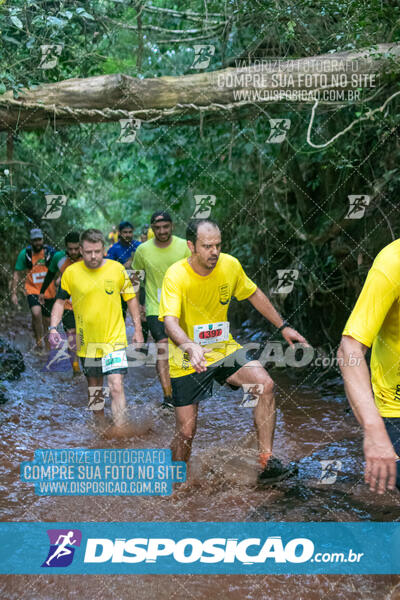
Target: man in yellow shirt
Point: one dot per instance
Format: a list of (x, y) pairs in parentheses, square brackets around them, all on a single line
[(195, 297), (375, 400), (95, 285)]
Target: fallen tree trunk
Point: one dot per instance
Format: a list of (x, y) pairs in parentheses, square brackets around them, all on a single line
[(170, 99)]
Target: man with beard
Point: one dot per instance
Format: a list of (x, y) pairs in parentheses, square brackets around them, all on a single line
[(60, 261), (195, 297), (95, 285), (35, 259), (124, 250), (153, 258)]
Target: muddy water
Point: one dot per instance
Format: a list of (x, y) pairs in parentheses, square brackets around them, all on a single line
[(48, 411)]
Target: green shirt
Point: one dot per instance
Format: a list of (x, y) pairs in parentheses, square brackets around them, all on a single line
[(21, 265), (155, 261), (54, 265)]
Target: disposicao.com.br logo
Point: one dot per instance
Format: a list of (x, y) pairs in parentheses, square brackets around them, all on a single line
[(212, 550)]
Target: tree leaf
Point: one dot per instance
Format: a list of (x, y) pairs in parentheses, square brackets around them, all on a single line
[(55, 21), (17, 22)]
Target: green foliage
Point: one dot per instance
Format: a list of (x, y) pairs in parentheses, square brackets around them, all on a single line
[(280, 206)]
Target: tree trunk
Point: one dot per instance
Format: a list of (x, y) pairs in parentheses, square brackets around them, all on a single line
[(169, 99)]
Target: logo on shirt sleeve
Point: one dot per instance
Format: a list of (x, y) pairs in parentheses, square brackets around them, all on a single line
[(224, 293)]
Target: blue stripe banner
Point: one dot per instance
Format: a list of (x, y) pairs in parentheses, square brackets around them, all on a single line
[(203, 548)]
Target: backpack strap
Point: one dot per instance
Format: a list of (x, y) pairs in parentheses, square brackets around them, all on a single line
[(28, 257), (49, 252)]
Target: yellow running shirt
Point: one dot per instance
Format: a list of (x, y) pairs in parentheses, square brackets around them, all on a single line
[(375, 321), (202, 300), (96, 300)]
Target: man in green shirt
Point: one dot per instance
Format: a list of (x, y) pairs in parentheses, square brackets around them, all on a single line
[(34, 260), (154, 257), (60, 261)]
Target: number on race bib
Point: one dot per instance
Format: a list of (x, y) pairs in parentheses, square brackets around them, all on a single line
[(211, 333), (38, 277), (114, 360)]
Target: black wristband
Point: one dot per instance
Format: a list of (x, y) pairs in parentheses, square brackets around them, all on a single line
[(284, 324)]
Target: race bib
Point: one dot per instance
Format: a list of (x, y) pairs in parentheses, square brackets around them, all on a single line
[(114, 360), (211, 333), (38, 277)]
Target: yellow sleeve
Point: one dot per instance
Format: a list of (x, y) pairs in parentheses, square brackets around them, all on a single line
[(244, 287), (65, 282), (372, 306), (127, 291), (171, 298)]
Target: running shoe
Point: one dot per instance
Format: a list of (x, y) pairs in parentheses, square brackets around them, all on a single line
[(275, 471), (167, 403)]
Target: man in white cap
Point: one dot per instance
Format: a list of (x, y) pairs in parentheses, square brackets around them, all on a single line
[(34, 260)]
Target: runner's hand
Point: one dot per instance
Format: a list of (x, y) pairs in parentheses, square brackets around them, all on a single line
[(14, 300), (291, 335), (380, 457), (137, 337), (41, 299), (196, 355), (54, 338)]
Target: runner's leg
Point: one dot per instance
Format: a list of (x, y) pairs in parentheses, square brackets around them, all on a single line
[(264, 412), (163, 368), (185, 429), (95, 389), (118, 402), (37, 325), (46, 324)]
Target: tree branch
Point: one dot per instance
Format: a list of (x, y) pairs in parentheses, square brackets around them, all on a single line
[(107, 98)]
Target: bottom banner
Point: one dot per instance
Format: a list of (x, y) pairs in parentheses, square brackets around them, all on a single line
[(206, 548)]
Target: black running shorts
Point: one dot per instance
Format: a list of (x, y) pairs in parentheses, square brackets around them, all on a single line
[(33, 300), (190, 389)]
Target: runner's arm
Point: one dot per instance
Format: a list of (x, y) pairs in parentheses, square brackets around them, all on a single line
[(263, 305), (14, 285), (139, 285), (47, 281), (179, 337), (56, 316), (133, 307), (380, 457), (138, 265)]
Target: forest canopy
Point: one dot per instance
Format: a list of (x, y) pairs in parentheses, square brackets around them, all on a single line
[(282, 173)]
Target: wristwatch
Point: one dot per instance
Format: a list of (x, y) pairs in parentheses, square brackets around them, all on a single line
[(52, 327), (284, 324)]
